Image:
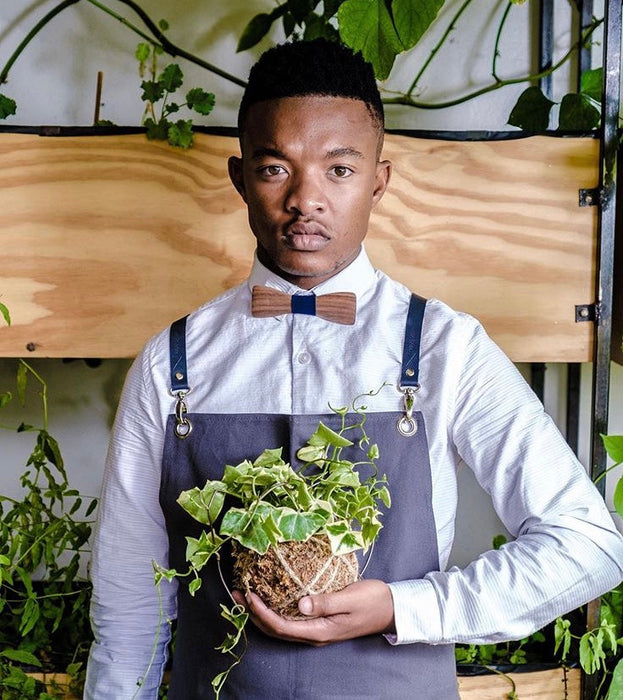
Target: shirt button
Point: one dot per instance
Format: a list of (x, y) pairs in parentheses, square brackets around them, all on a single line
[(303, 358)]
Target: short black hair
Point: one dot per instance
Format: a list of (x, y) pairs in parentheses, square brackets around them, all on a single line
[(316, 67)]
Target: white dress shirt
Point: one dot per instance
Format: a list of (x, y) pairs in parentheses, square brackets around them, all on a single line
[(476, 406)]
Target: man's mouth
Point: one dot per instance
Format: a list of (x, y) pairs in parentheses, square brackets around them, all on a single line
[(305, 236)]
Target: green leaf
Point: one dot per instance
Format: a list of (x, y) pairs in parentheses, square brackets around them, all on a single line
[(194, 586), (614, 447), (562, 636), (618, 497), (30, 616), (163, 25), (298, 527), (171, 78), (200, 100), (143, 51), (199, 551), (8, 106), (5, 398), (204, 504), (373, 452), (22, 376), (311, 453), (532, 110), (591, 83), (325, 436), (413, 17), (254, 530), (615, 692), (180, 134), (157, 131), (152, 91), (366, 26), (255, 31), (269, 458), (342, 538), (498, 541), (5, 313), (21, 656), (577, 113)]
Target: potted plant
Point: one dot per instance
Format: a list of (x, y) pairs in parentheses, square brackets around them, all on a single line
[(292, 529), (44, 597)]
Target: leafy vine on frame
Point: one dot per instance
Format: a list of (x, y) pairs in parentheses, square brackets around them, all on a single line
[(381, 30)]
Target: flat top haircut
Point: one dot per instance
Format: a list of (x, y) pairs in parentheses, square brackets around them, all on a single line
[(318, 67)]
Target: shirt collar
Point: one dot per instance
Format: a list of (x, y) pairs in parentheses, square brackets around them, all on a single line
[(357, 277)]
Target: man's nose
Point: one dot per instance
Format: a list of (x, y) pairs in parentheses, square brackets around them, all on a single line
[(305, 195)]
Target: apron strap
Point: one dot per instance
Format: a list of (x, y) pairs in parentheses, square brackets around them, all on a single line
[(177, 354), (411, 352), (179, 376), (410, 373)]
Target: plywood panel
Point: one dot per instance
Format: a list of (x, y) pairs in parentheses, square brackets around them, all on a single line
[(106, 239), (557, 684)]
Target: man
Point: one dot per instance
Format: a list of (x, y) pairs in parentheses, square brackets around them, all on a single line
[(311, 133)]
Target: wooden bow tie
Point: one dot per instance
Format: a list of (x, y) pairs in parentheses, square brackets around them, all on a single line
[(339, 307)]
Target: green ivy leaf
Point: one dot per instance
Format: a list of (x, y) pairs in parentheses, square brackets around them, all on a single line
[(325, 436), (366, 26), (194, 586), (8, 107), (413, 17), (204, 504), (163, 25), (614, 447), (171, 78), (199, 551), (200, 100), (591, 83), (269, 458), (562, 636), (532, 110), (152, 91), (298, 527), (181, 134), (255, 31), (577, 113), (316, 27)]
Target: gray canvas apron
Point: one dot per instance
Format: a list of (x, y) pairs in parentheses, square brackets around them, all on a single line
[(367, 667)]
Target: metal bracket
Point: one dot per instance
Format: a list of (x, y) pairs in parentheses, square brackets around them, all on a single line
[(585, 312), (589, 197)]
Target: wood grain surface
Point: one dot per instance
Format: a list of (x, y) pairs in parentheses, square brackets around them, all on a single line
[(537, 685), (107, 239)]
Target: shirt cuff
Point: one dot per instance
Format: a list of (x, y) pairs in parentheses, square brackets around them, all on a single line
[(416, 613)]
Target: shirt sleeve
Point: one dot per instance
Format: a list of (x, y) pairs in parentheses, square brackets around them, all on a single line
[(130, 615), (567, 550)]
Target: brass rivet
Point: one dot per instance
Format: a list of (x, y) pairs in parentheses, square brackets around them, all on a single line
[(179, 376), (410, 372)]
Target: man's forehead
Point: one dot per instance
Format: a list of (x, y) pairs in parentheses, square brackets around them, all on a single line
[(342, 124)]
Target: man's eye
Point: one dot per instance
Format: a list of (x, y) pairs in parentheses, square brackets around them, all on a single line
[(272, 170), (341, 171)]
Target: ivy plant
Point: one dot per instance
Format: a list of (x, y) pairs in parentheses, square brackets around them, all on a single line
[(268, 501)]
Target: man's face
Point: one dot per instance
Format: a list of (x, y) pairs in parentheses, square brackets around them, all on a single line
[(310, 175)]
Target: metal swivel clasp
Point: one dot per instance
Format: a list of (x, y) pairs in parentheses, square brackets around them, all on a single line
[(183, 426), (407, 425)]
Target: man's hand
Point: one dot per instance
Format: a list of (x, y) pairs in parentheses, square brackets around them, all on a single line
[(364, 607)]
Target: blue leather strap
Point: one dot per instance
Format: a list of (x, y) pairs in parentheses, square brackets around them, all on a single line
[(177, 353), (409, 376)]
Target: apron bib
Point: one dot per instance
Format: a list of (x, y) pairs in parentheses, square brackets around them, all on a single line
[(367, 667)]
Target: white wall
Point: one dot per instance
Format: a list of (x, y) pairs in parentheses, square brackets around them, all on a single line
[(54, 83)]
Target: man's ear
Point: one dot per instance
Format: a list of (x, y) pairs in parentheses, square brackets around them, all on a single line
[(234, 167), (383, 174)]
